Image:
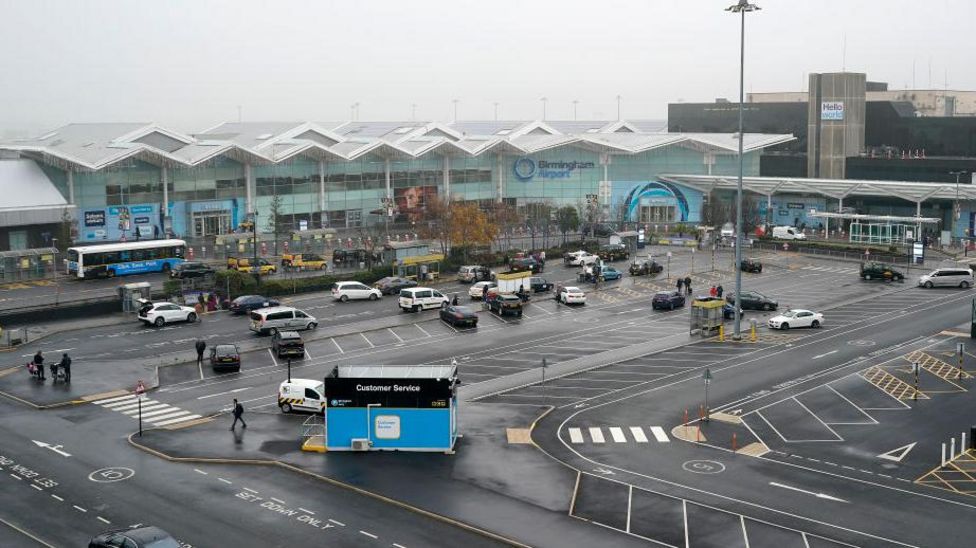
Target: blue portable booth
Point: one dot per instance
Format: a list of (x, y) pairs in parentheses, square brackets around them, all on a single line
[(391, 408)]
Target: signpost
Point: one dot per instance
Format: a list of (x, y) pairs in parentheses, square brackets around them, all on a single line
[(545, 366), (915, 372), (960, 351), (707, 377), (140, 390), (289, 369), (669, 265)]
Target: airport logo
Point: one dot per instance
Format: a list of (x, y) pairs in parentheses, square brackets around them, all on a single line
[(525, 169)]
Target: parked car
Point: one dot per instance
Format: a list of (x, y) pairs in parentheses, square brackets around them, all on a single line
[(525, 264), (947, 277), (667, 300), (139, 537), (459, 315), (281, 318), (728, 311), (571, 295), (614, 252), (477, 290), (570, 258), (343, 291), (303, 261), (599, 230), (162, 313), (796, 318), (391, 285), (751, 265), (538, 285), (643, 267), (753, 300), (473, 273), (225, 357), (880, 271), (415, 299), (504, 303), (245, 265), (191, 269), (247, 303), (287, 343), (611, 273)]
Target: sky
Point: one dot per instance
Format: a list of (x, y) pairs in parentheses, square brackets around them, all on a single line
[(192, 64)]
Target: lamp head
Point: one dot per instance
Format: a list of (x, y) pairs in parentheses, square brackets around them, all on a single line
[(743, 6)]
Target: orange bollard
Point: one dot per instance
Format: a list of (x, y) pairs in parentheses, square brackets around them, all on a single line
[(733, 442), (686, 417), (701, 412)]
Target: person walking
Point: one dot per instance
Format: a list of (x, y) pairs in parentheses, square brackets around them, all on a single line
[(713, 291), (66, 366), (39, 363), (688, 284), (454, 301), (681, 284), (238, 415), (719, 291), (201, 345)]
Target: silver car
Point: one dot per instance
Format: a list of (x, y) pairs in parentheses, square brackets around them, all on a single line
[(947, 277)]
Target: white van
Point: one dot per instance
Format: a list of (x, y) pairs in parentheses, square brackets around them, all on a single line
[(415, 299), (728, 230), (788, 233), (280, 318), (301, 395), (947, 277)]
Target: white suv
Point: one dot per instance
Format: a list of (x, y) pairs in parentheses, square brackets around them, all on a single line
[(343, 291), (159, 314)]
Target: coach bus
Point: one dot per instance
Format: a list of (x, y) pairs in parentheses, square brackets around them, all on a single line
[(125, 258)]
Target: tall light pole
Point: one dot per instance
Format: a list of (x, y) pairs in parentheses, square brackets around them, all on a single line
[(496, 110), (413, 111), (575, 103), (455, 101), (742, 7), (618, 108), (544, 101), (958, 206)]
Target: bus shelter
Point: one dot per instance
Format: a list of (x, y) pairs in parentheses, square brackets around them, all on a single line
[(879, 229), (391, 408), (706, 316), (28, 264)]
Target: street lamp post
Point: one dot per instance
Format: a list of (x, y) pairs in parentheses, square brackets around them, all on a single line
[(544, 101), (957, 208), (742, 7), (575, 104), (255, 269)]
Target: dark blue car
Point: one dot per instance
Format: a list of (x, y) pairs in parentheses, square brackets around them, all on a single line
[(667, 300)]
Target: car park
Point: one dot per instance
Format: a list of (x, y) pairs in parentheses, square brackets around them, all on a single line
[(162, 313), (344, 291), (751, 265), (610, 273), (947, 277), (391, 285), (796, 318), (645, 266), (667, 300), (415, 299), (247, 303), (538, 285), (301, 395), (504, 304), (473, 273), (287, 343), (571, 295), (191, 269), (225, 357), (614, 252), (477, 291), (753, 300), (459, 316), (880, 271), (281, 318), (137, 537)]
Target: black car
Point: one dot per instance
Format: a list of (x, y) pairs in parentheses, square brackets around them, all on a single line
[(667, 300), (751, 300), (751, 265), (525, 264), (614, 252), (391, 285), (599, 230), (459, 315), (191, 269), (287, 343), (880, 271), (142, 537), (225, 357), (247, 303), (643, 267), (539, 285), (503, 303)]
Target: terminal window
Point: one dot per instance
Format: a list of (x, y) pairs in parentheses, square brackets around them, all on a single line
[(657, 214)]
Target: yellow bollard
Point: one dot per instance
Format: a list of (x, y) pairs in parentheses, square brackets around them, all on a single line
[(721, 333), (752, 335)]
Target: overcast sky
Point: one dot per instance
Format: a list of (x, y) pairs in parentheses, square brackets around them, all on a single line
[(190, 64)]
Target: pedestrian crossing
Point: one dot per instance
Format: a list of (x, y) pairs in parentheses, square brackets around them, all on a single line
[(617, 434), (153, 412), (832, 269)]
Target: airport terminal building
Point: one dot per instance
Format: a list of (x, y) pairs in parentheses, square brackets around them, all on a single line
[(124, 179)]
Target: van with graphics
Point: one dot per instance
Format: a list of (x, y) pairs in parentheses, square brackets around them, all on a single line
[(301, 395)]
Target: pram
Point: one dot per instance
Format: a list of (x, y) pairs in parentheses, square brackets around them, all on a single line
[(57, 373)]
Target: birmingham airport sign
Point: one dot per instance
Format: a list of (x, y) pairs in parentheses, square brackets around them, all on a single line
[(525, 169)]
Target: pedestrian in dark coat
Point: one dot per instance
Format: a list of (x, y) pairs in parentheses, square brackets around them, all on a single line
[(66, 366), (238, 414), (201, 345), (681, 284), (39, 362), (719, 291), (688, 284), (454, 301)]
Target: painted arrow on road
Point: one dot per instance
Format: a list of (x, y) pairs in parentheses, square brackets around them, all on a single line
[(55, 448), (898, 454), (798, 490), (603, 471)]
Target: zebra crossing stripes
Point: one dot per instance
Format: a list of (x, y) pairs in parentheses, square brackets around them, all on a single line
[(618, 434), (832, 269), (153, 412)]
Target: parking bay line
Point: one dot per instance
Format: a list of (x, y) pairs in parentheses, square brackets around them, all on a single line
[(339, 348), (369, 342), (392, 332)]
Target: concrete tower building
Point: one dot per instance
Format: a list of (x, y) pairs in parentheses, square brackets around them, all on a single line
[(835, 119)]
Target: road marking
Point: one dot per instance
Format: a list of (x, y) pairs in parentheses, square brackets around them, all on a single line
[(659, 434), (79, 508), (818, 356), (596, 435), (798, 490), (273, 360), (618, 434), (638, 434), (368, 534), (251, 490), (630, 500), (898, 453), (422, 330), (306, 511), (56, 448), (392, 332), (228, 482), (575, 435), (36, 487), (198, 471), (369, 342), (395, 545), (540, 308), (200, 367), (176, 420), (745, 535), (279, 501), (339, 523), (236, 390), (112, 400), (57, 498), (339, 348), (157, 411), (307, 355), (16, 477), (170, 415), (103, 520)]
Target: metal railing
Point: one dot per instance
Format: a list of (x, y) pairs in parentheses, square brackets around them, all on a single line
[(313, 431)]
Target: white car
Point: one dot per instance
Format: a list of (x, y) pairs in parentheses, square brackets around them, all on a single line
[(571, 295), (477, 290), (583, 259), (343, 291), (796, 318), (159, 314)]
